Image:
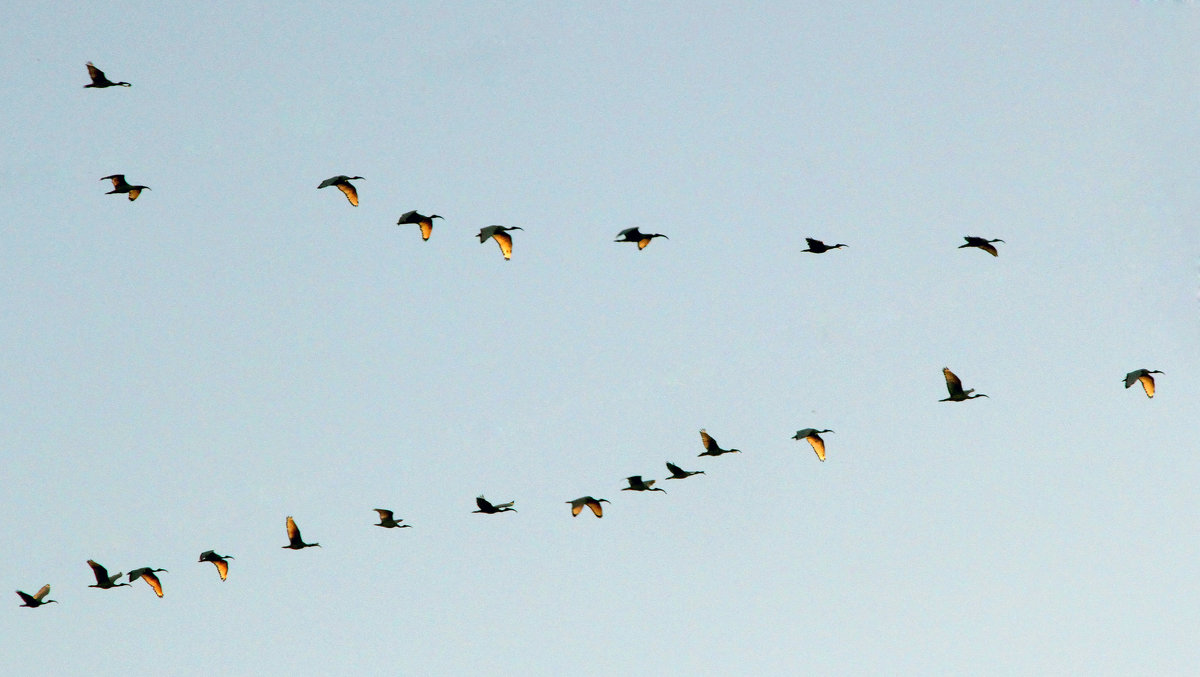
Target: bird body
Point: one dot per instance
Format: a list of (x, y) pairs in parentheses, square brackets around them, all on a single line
[(120, 185), (98, 79), (147, 574), (294, 540), (387, 521), (487, 508), (425, 222), (980, 243), (501, 236), (636, 483), (635, 235), (711, 448), (578, 505), (814, 438), (218, 561), (954, 386), (343, 184), (103, 580), (36, 599), (1142, 375), (818, 247), (678, 473)]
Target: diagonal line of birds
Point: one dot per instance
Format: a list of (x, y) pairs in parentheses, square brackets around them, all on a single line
[(503, 238)]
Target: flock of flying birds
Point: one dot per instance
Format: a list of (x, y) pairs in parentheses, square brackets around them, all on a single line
[(500, 234)]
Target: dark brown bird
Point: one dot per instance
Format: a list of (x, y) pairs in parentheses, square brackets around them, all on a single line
[(593, 503), (387, 521), (636, 483), (1146, 379), (294, 540), (36, 599), (103, 580), (501, 237), (147, 574), (98, 79), (813, 436), (711, 448), (818, 247), (980, 243), (121, 186), (488, 509), (343, 184), (957, 394), (218, 561), (678, 473), (635, 235), (425, 222)]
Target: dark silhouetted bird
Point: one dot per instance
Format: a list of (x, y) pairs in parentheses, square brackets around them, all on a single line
[(36, 599), (636, 483), (1144, 376), (501, 237), (425, 222), (121, 186), (957, 394), (147, 574), (814, 438), (678, 473), (980, 243), (98, 79), (103, 580), (294, 540), (594, 503), (343, 184), (488, 509), (387, 521), (711, 448), (635, 235), (218, 561), (818, 247)]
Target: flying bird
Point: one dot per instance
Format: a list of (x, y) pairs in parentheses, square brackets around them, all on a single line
[(103, 580), (985, 245), (501, 237), (343, 184), (98, 79), (121, 186), (294, 540), (678, 473), (814, 438), (711, 448), (957, 394), (635, 235), (425, 222), (147, 574), (1144, 376), (36, 599), (636, 483), (218, 561), (487, 508), (387, 521), (594, 503), (818, 247)]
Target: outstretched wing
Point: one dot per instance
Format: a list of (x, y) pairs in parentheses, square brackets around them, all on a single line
[(100, 572), (674, 469), (293, 530), (597, 509), (384, 515), (818, 445), (709, 442), (952, 383), (505, 241), (484, 504), (989, 248), (153, 581), (41, 594), (118, 180), (95, 73), (576, 507), (351, 194), (222, 568), (29, 601), (1147, 384), (134, 193)]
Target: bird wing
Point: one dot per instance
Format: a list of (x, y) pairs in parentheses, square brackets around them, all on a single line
[(813, 243), (1132, 377), (1147, 384), (100, 572), (134, 193), (634, 480), (409, 217), (29, 601), (41, 594), (709, 442), (989, 248), (351, 194), (332, 181), (629, 233), (384, 515), (426, 228), (293, 530), (117, 179), (643, 242), (577, 507), (505, 241), (597, 509), (952, 383), (151, 579), (674, 469), (94, 73), (484, 504), (505, 505), (222, 568), (818, 445)]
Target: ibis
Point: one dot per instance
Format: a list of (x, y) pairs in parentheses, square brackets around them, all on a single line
[(635, 235), (486, 507), (218, 561), (1146, 379), (36, 599), (636, 483), (425, 222), (957, 394), (388, 521), (814, 438), (711, 448), (294, 540), (122, 186), (501, 236), (678, 473), (343, 184), (980, 243), (103, 580), (99, 81), (147, 574), (817, 247), (578, 505)]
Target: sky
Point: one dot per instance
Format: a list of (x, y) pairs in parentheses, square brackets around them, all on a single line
[(182, 372)]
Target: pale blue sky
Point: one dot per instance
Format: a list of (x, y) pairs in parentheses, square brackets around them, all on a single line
[(182, 372)]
